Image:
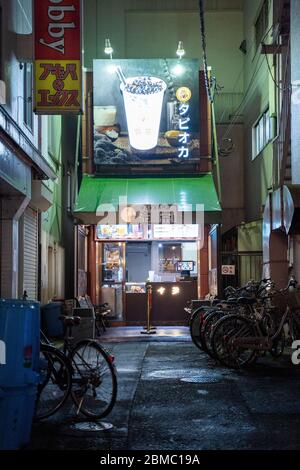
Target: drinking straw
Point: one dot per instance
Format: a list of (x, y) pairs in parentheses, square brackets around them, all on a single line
[(121, 75)]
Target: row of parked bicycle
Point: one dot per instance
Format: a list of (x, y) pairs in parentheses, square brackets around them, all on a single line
[(251, 321)]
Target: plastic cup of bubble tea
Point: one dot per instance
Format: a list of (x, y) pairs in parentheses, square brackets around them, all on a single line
[(143, 100)]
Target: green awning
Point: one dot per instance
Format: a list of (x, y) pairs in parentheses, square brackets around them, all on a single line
[(184, 192)]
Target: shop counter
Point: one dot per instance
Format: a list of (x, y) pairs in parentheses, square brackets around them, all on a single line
[(168, 302)]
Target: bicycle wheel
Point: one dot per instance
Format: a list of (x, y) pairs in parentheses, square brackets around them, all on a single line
[(278, 345), (195, 325), (207, 329), (226, 330), (294, 325), (94, 384), (55, 382)]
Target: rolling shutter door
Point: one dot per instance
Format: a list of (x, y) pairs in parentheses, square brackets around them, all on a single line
[(30, 271)]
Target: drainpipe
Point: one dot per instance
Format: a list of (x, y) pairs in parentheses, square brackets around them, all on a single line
[(295, 79), (90, 126), (216, 153)]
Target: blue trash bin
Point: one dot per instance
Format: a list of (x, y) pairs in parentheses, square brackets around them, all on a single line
[(19, 365), (17, 406), (19, 342), (52, 325)]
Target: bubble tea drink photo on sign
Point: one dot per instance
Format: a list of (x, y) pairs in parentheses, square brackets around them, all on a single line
[(143, 99)]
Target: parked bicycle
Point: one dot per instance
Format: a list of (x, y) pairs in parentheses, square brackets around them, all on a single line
[(84, 370), (238, 339), (250, 322), (202, 316)]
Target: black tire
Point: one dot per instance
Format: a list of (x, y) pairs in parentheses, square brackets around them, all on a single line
[(225, 331), (195, 325), (56, 380), (278, 345), (207, 330), (295, 325), (94, 385)]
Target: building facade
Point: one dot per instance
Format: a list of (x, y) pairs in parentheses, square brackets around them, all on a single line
[(33, 173)]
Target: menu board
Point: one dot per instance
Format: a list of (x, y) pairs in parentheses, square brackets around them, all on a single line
[(185, 266), (176, 231)]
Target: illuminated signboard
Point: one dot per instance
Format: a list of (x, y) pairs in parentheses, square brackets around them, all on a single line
[(120, 232), (146, 113), (144, 232), (176, 231), (57, 64), (185, 266)]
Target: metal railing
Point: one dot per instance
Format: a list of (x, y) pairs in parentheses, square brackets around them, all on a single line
[(20, 139)]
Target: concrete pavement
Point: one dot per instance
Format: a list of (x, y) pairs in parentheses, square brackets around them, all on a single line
[(173, 397)]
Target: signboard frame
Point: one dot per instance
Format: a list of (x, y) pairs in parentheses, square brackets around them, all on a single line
[(60, 64)]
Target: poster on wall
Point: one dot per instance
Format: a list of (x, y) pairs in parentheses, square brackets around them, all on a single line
[(57, 58), (146, 112), (120, 232)]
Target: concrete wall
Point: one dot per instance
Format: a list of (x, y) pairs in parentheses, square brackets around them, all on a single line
[(17, 35), (259, 93), (232, 176), (52, 251), (17, 48), (151, 29)]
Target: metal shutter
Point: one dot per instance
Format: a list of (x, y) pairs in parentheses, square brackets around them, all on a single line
[(30, 270)]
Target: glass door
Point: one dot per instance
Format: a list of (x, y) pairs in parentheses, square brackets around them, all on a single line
[(113, 277)]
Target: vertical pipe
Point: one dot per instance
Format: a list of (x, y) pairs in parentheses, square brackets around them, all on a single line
[(295, 79)]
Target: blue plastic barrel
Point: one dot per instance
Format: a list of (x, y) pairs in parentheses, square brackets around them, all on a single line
[(19, 342), (16, 416), (52, 325)]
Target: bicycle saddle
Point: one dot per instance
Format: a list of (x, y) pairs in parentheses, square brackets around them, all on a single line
[(70, 321)]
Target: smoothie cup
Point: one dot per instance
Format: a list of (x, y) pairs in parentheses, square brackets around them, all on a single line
[(143, 99)]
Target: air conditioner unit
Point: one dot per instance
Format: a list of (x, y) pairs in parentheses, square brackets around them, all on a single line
[(2, 92)]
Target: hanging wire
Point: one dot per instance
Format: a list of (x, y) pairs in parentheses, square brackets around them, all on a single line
[(203, 40), (271, 73)]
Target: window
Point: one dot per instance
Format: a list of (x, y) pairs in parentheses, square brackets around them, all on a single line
[(28, 110), (262, 133), (261, 23)]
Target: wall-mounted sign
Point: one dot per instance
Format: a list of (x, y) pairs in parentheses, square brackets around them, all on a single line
[(175, 231), (57, 31), (228, 270), (120, 232), (147, 232), (146, 112)]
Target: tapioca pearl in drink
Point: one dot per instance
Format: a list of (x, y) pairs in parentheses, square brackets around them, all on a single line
[(144, 86)]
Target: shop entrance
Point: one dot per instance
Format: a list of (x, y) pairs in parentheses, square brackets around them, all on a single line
[(171, 267)]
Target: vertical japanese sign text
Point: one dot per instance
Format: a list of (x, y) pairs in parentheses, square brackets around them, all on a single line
[(57, 56)]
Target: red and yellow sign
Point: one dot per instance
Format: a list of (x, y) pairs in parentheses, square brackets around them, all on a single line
[(57, 56)]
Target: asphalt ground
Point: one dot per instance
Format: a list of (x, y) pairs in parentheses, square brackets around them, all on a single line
[(171, 396)]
